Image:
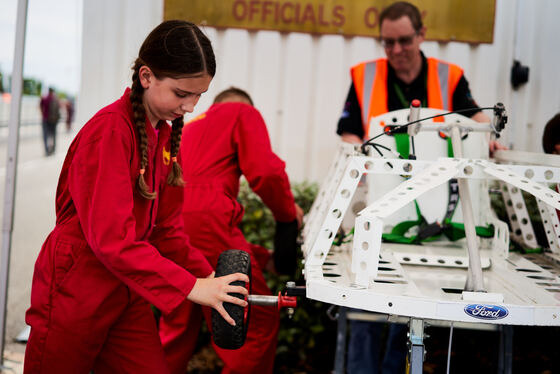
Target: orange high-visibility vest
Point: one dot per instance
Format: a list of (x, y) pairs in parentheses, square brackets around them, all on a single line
[(370, 83)]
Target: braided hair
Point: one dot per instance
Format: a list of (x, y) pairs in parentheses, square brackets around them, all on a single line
[(174, 49)]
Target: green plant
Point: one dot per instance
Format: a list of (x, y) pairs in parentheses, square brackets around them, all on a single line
[(307, 340), (308, 337), (32, 86)]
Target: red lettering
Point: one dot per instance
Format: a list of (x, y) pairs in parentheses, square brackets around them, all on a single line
[(371, 17), (276, 12), (338, 13), (283, 12), (236, 6), (308, 14), (265, 10), (322, 21), (253, 9), (289, 12)]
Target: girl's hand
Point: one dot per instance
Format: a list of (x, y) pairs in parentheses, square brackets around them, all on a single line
[(213, 292)]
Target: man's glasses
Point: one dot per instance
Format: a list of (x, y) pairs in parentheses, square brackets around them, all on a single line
[(404, 41)]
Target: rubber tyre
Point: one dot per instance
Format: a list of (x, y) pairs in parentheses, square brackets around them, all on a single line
[(225, 335)]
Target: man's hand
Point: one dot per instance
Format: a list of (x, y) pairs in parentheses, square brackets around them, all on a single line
[(495, 146), (351, 138)]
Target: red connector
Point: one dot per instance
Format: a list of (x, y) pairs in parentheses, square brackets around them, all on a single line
[(286, 301)]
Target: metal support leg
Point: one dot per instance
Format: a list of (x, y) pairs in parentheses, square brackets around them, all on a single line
[(505, 361), (339, 358), (415, 359), (475, 281)]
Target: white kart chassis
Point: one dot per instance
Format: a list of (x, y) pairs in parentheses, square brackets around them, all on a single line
[(435, 280)]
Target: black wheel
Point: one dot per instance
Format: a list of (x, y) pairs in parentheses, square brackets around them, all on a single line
[(225, 335)]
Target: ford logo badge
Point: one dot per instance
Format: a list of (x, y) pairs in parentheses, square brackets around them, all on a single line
[(486, 311)]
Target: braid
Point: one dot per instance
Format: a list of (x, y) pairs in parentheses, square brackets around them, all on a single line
[(140, 121), (175, 178)]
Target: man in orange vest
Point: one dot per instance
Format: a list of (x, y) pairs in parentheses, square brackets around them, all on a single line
[(391, 83), (384, 85)]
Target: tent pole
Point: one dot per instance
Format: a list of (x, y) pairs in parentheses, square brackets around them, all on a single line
[(11, 164)]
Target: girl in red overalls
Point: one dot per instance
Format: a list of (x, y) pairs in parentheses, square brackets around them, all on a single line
[(119, 242)]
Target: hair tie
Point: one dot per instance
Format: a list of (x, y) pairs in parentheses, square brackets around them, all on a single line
[(174, 159), (142, 171)]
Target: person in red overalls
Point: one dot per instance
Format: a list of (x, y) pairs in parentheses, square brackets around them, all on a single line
[(229, 140), (119, 242)]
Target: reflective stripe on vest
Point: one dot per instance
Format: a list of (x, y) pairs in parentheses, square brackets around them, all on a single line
[(370, 83), (443, 73), (369, 74)]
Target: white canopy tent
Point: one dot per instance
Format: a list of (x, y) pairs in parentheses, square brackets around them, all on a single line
[(10, 184), (299, 81)]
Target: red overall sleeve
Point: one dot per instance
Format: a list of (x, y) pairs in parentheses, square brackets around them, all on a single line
[(102, 192), (169, 235), (262, 168)]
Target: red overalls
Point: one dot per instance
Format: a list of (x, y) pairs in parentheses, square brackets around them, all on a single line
[(111, 253), (228, 140)]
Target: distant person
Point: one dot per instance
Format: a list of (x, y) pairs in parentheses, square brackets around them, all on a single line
[(118, 244), (225, 142), (50, 111), (69, 113)]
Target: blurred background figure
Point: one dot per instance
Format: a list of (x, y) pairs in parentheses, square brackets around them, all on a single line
[(50, 112), (69, 104)]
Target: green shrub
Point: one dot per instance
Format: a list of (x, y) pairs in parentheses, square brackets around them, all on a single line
[(307, 340)]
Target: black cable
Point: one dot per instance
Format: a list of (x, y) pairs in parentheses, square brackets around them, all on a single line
[(375, 145), (396, 128), (381, 146)]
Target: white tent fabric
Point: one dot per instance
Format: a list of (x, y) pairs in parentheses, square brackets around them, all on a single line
[(299, 81), (11, 165)]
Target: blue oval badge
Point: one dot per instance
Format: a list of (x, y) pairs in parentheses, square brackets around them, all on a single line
[(481, 311)]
